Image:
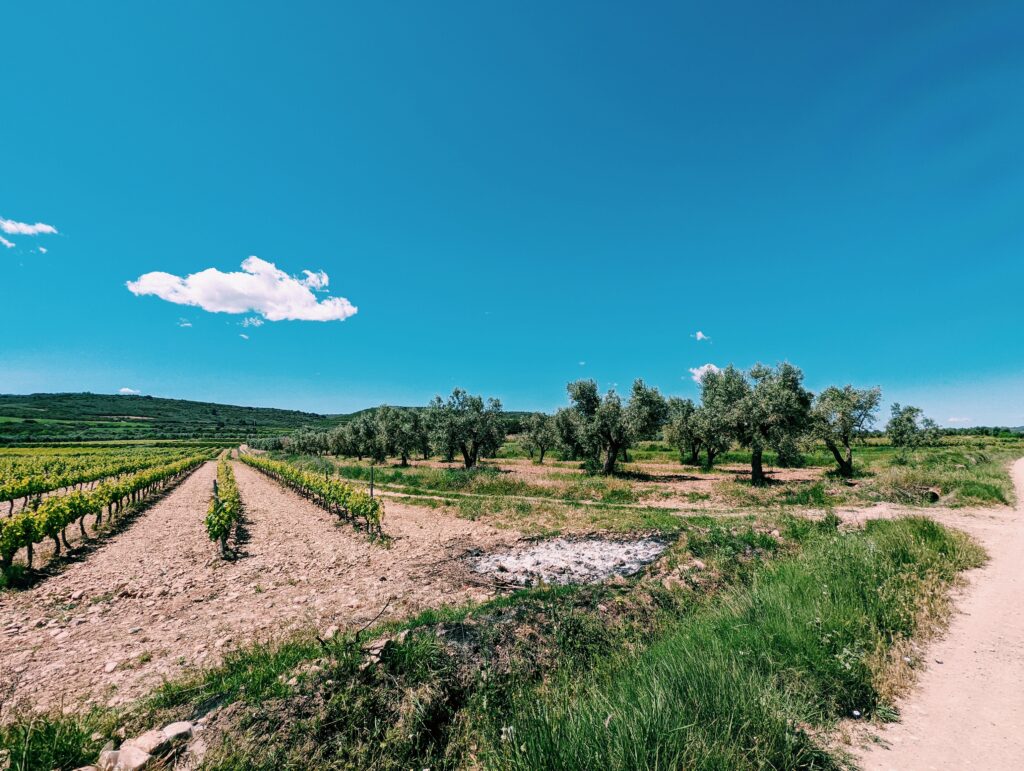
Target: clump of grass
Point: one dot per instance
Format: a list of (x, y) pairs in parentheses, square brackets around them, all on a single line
[(30, 741)]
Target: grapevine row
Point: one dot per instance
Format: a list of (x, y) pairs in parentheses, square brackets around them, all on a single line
[(339, 498), (24, 480), (225, 505), (52, 517)]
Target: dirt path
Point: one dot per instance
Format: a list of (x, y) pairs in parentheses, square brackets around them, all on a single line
[(967, 711), (156, 601)]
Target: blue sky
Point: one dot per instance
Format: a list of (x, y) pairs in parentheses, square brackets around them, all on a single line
[(512, 198)]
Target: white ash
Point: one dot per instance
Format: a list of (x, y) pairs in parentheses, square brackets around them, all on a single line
[(570, 561)]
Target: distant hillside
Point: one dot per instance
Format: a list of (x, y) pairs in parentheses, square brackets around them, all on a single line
[(86, 417)]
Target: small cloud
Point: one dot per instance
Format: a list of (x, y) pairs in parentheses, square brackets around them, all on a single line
[(184, 323), (43, 250), (5, 242), (583, 364), (261, 287), (698, 373), (699, 336), (25, 229), (958, 420), (244, 336), (252, 321), (128, 391)]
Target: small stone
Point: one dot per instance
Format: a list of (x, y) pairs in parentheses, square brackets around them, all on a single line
[(135, 630), (108, 760), (698, 565), (131, 758), (938, 661), (222, 642), (78, 594), (178, 731), (110, 666), (330, 632), (151, 742)]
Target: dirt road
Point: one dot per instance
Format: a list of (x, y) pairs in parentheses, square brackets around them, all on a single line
[(156, 601), (967, 711)]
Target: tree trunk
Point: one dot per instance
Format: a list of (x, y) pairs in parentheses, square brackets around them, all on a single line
[(469, 456), (541, 458), (845, 463), (695, 455), (712, 454), (405, 459), (756, 467), (609, 460)]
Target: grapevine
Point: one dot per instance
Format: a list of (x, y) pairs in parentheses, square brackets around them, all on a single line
[(337, 497)]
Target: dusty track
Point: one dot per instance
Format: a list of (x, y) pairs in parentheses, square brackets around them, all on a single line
[(967, 710), (156, 601)]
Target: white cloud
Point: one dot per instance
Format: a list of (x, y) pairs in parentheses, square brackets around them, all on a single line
[(698, 373), (700, 336), (252, 321), (5, 242), (958, 420), (583, 363), (244, 336), (261, 288), (128, 391), (184, 323), (317, 280), (25, 229), (43, 250)]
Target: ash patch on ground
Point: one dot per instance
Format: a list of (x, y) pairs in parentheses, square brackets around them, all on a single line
[(570, 561)]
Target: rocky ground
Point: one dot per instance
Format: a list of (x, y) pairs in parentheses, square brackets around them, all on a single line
[(156, 601)]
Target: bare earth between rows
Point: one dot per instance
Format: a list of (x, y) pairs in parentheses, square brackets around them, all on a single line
[(156, 600)]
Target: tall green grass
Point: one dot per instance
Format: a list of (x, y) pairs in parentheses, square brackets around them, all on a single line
[(743, 684)]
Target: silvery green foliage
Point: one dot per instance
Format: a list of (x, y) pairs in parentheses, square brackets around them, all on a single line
[(842, 415), (768, 407), (464, 423), (908, 428), (399, 433), (681, 429), (539, 435), (604, 426), (903, 428)]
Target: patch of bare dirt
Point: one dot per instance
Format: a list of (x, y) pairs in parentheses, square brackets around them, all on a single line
[(156, 601)]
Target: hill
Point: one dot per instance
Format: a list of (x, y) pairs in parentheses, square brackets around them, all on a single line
[(98, 417)]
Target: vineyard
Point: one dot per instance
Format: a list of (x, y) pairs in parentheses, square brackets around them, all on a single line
[(334, 495), (113, 481), (28, 473)]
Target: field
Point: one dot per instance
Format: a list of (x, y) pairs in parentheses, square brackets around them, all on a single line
[(485, 617)]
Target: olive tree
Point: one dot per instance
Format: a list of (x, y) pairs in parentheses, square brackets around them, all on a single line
[(712, 432), (465, 423), (909, 429), (766, 408), (539, 435), (681, 431), (604, 426), (397, 433), (842, 415)]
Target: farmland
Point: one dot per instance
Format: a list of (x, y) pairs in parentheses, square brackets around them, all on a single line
[(246, 590)]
